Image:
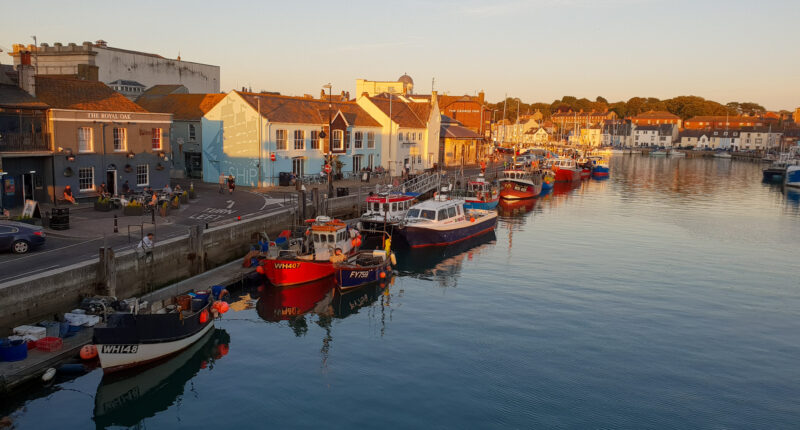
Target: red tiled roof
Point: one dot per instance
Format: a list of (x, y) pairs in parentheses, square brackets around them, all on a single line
[(710, 118), (181, 106), (72, 93), (656, 115), (301, 110), (401, 113)]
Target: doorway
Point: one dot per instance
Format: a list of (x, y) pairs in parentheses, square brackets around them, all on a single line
[(356, 163), (111, 182), (27, 186), (298, 167)]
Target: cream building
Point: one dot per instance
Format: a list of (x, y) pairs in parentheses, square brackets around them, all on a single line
[(403, 85)]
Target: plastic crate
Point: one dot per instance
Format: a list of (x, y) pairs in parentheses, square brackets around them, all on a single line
[(49, 344)]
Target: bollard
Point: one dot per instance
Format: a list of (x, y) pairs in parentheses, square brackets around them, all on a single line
[(116, 228), (153, 215)]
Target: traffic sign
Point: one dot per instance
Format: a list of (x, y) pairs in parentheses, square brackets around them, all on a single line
[(327, 168), (272, 157)]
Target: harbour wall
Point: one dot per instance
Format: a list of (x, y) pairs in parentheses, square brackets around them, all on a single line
[(41, 296)]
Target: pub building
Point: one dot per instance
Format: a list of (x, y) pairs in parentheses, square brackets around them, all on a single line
[(100, 136)]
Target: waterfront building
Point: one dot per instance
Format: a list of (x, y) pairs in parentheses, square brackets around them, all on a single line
[(656, 118), (722, 122), (470, 111), (655, 135), (459, 145), (694, 139), (571, 119), (243, 131), (759, 138), (129, 89), (25, 151), (410, 130), (724, 139), (99, 136), (616, 133), (538, 136), (590, 136), (403, 85), (99, 62), (186, 132)]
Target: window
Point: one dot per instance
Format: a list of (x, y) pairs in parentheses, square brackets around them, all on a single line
[(142, 175), (419, 136), (120, 139), (408, 136), (192, 133), (86, 178), (359, 138), (419, 159), (370, 142), (370, 161), (442, 214), (299, 139), (85, 143), (156, 139), (314, 139), (451, 212), (280, 140), (337, 140), (399, 137)]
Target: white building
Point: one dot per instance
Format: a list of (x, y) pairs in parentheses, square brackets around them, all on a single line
[(619, 134), (98, 61), (724, 139), (410, 130), (665, 135), (694, 139), (759, 138)]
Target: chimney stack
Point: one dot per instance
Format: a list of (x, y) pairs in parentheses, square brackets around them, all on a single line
[(481, 97), (434, 96), (26, 73)]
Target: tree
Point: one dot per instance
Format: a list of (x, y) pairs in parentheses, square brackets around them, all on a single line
[(602, 100)]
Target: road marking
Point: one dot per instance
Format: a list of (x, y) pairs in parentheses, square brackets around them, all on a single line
[(263, 196), (36, 254), (22, 275), (230, 203)]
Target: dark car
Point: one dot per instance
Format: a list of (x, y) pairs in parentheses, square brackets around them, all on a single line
[(19, 237)]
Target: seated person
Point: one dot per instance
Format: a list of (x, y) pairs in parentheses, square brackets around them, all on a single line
[(103, 190), (178, 188), (154, 200), (338, 258), (167, 189), (126, 188), (68, 195)]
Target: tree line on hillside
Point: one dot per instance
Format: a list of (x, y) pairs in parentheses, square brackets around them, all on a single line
[(682, 106)]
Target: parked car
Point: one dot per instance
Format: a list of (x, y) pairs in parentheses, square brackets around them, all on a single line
[(20, 238)]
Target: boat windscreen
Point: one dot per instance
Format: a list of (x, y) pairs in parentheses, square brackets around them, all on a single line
[(428, 214), (412, 213)]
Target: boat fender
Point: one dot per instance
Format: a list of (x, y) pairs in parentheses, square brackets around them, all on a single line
[(204, 317), (88, 352), (48, 375), (393, 258), (382, 275), (472, 219), (72, 369)]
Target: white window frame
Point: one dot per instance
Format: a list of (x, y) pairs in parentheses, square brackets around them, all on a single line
[(85, 139), (81, 179), (156, 139), (299, 140), (358, 140), (280, 140), (337, 136), (120, 135), (370, 140), (192, 133), (146, 174)]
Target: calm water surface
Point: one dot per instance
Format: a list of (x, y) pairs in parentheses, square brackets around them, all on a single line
[(667, 296)]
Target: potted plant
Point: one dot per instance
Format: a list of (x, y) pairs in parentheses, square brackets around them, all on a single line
[(133, 208), (164, 210), (26, 220), (184, 197), (102, 204), (175, 203)]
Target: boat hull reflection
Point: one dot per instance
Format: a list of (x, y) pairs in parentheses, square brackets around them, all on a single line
[(126, 398), (423, 260), (285, 303)]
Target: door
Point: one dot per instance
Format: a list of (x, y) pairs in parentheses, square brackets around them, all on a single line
[(111, 182), (27, 186), (298, 167), (370, 161), (356, 164)]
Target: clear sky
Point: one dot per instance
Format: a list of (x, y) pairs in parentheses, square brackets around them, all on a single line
[(724, 50)]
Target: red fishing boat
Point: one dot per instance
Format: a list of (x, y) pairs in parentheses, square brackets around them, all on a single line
[(520, 184), (300, 260), (565, 169)]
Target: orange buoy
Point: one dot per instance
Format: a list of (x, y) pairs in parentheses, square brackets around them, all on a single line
[(382, 275), (472, 219), (204, 317), (88, 352), (223, 349), (260, 270), (223, 307)]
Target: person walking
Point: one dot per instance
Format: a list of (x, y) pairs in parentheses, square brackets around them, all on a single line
[(221, 182), (145, 247), (231, 183)]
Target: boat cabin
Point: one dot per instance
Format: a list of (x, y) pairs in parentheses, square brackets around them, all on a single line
[(391, 207), (516, 174), (326, 234), (438, 211), (563, 163)]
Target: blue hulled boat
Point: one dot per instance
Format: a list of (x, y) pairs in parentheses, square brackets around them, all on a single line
[(443, 221), (481, 195), (364, 268), (793, 176)]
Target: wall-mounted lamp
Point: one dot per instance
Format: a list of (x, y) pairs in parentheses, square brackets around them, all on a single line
[(131, 155)]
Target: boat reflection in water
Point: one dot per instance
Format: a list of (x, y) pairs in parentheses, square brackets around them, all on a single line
[(128, 397), (516, 208), (291, 303), (442, 263)]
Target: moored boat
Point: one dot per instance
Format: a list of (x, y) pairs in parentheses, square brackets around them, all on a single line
[(792, 176), (520, 184), (599, 166), (444, 221), (658, 153), (674, 153), (548, 179), (307, 259), (364, 268), (565, 169), (136, 338), (481, 194), (385, 210), (722, 154)]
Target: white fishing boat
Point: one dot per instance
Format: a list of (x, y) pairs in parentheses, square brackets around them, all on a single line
[(677, 154), (443, 221)]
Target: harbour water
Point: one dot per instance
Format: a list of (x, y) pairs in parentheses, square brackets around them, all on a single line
[(667, 296)]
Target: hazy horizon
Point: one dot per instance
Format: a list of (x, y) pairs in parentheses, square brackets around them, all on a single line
[(536, 50)]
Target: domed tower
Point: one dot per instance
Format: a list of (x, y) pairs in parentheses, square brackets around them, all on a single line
[(408, 84)]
